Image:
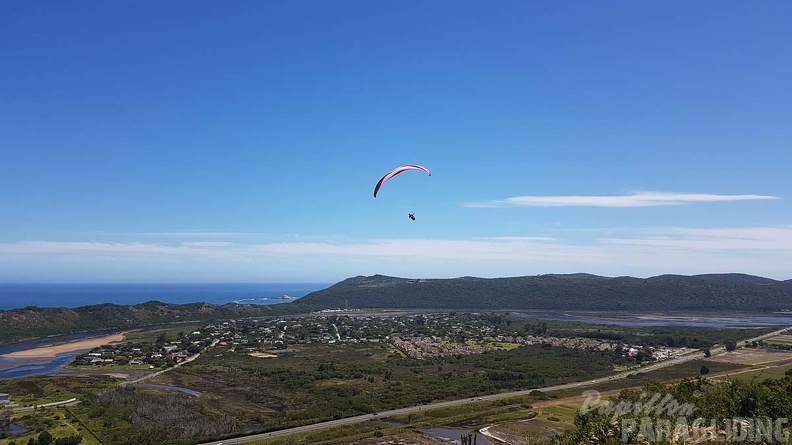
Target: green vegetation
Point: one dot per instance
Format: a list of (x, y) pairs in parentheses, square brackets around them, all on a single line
[(560, 292), (130, 416), (51, 426), (330, 367), (343, 435), (316, 383), (669, 336), (765, 401), (763, 374), (39, 390), (35, 322)]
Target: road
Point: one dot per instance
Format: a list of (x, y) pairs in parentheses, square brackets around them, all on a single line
[(413, 409), (154, 374), (75, 401)]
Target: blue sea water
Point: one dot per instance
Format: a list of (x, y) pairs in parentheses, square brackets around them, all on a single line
[(73, 295)]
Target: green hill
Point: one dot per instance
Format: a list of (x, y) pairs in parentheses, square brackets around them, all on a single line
[(34, 322), (733, 292)]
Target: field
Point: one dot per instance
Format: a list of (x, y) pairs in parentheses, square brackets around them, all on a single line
[(262, 355), (780, 340), (57, 421), (751, 356), (48, 389), (369, 433)]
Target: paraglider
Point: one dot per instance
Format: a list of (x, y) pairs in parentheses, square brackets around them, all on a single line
[(397, 171)]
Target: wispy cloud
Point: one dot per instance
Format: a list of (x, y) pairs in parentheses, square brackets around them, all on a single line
[(618, 251), (208, 244), (642, 199), (712, 239), (207, 234)]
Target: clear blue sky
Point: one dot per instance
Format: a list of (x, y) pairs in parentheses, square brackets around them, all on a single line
[(190, 141)]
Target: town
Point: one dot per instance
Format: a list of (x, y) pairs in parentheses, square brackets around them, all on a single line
[(416, 336)]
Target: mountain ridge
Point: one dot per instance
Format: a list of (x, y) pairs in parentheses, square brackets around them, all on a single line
[(581, 291)]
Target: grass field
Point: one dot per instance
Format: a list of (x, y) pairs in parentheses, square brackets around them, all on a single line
[(775, 372), (780, 340), (751, 356), (54, 420), (47, 389), (542, 422)]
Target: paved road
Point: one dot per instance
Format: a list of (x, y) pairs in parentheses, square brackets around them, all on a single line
[(413, 409)]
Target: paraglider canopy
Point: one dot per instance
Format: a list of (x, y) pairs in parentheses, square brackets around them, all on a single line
[(396, 171)]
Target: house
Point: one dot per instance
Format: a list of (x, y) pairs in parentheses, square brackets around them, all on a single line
[(4, 399)]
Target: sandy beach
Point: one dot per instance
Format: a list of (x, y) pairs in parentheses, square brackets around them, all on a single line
[(51, 351)]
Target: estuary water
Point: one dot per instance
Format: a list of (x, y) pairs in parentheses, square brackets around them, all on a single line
[(11, 368), (702, 320)]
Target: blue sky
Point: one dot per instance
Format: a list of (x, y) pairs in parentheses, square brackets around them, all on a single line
[(241, 141)]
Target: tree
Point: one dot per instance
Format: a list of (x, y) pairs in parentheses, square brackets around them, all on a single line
[(730, 345), (704, 370), (707, 352), (71, 440), (45, 438)]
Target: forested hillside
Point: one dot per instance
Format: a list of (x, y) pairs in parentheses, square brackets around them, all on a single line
[(33, 322), (562, 292)]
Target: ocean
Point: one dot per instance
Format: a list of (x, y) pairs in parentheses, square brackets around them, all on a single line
[(14, 296)]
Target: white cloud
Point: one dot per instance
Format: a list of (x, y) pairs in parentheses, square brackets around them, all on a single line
[(642, 199), (208, 244), (713, 239), (762, 251), (192, 234)]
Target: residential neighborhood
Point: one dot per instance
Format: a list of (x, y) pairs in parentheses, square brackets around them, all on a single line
[(417, 336)]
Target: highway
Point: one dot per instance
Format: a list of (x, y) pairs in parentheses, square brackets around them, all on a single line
[(412, 409)]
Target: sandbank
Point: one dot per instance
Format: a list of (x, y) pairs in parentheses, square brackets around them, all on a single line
[(51, 351)]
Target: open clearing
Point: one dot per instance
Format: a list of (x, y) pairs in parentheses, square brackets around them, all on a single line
[(780, 340), (751, 356), (262, 355)]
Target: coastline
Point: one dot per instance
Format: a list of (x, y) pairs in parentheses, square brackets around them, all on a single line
[(54, 350)]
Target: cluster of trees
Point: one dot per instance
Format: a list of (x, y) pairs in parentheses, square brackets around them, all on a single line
[(762, 344), (45, 438), (747, 399), (133, 417)]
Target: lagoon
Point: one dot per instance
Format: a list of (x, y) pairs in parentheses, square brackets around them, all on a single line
[(671, 319)]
